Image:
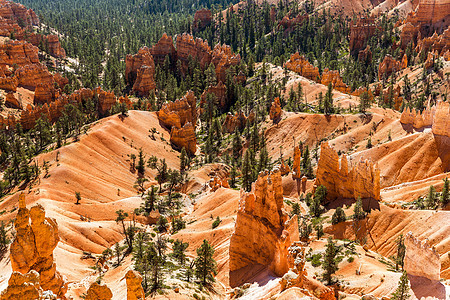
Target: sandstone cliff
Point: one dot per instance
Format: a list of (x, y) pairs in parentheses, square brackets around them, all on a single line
[(333, 77), (164, 48), (238, 120), (184, 137), (388, 66), (197, 48), (139, 71), (263, 232), (275, 111), (360, 32), (437, 117), (219, 91), (98, 292), (420, 259), (343, 179), (32, 249)]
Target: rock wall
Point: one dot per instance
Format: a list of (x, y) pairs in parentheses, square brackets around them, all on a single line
[(360, 32), (197, 48), (32, 249), (202, 18), (134, 287), (164, 48), (430, 16), (17, 53), (263, 231), (180, 117), (344, 179), (223, 58), (219, 91), (420, 259), (139, 72), (389, 65), (437, 117), (299, 64)]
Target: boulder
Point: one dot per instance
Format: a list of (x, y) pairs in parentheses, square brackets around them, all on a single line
[(263, 231), (98, 292), (134, 287)]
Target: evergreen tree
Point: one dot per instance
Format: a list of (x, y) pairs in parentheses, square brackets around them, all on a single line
[(445, 194), (141, 163), (430, 201), (178, 251), (401, 293), (162, 170), (358, 212), (338, 216), (305, 230), (205, 265), (329, 262), (328, 101), (315, 208), (364, 102), (184, 161), (4, 239), (401, 251), (247, 172)]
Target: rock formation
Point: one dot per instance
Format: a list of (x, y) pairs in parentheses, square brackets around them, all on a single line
[(263, 231), (98, 292), (388, 66), (164, 48), (32, 249), (430, 16), (197, 48), (289, 24), (12, 102), (23, 287), (180, 117), (134, 287), (219, 91), (223, 58), (202, 18), (139, 71), (184, 137), (31, 75), (238, 120), (360, 32), (437, 117), (420, 259), (333, 77), (18, 53), (275, 111), (343, 179), (299, 64), (296, 169)]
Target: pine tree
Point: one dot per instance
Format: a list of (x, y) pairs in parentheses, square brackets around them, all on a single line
[(247, 172), (329, 262), (315, 208), (430, 202), (4, 239), (358, 212), (445, 194), (237, 144), (205, 265), (184, 161), (401, 293), (338, 216), (178, 251), (305, 230), (328, 101), (141, 163), (401, 251), (364, 102)]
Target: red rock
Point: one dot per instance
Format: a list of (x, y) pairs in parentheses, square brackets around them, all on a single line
[(106, 100), (45, 93), (18, 53), (289, 24), (388, 66), (184, 137), (179, 112), (420, 259), (219, 91), (360, 32), (296, 169), (196, 48), (437, 117), (23, 287), (11, 101), (30, 76), (139, 71), (54, 46), (275, 111), (430, 15), (333, 77), (365, 55), (164, 48), (60, 80), (202, 18), (9, 83), (408, 34), (239, 120), (263, 231), (223, 58), (346, 180), (299, 64)]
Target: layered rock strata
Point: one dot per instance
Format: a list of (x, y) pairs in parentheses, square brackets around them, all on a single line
[(32, 249), (275, 111), (420, 259), (360, 32), (263, 231), (299, 64), (343, 179), (437, 117), (238, 120), (202, 18)]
